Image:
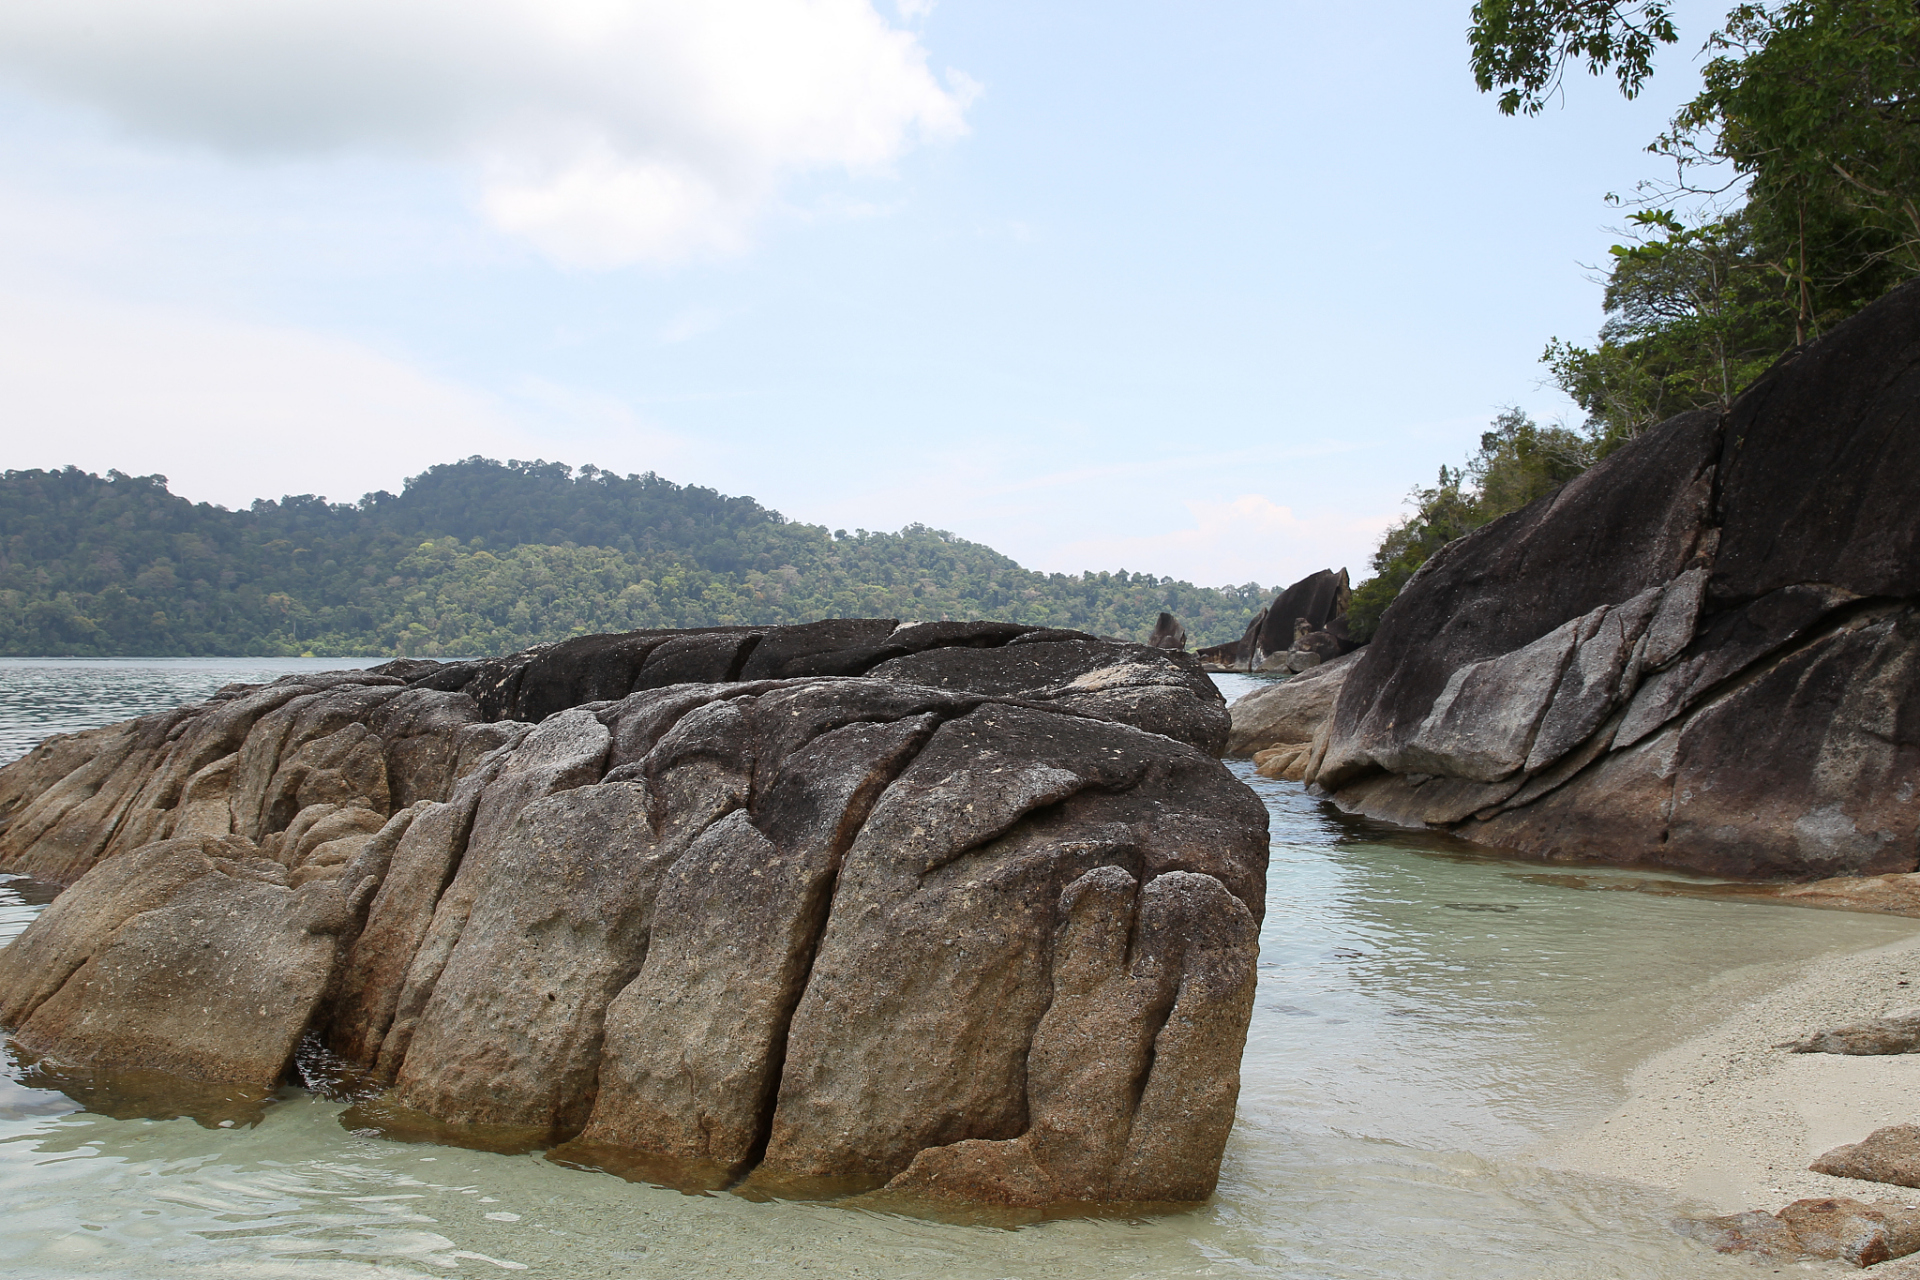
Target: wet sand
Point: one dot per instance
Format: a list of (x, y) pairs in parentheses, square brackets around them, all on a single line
[(1727, 1119)]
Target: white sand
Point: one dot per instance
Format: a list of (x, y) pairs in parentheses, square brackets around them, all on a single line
[(1727, 1119)]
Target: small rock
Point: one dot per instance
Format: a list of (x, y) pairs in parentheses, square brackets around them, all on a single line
[(1287, 762), (1888, 1155), (1850, 1230), (1898, 1034)]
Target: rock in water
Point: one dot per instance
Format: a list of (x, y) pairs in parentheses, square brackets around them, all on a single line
[(1702, 653), (1890, 1155), (965, 909)]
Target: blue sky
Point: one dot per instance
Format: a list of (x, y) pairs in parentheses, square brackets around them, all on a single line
[(1187, 288)]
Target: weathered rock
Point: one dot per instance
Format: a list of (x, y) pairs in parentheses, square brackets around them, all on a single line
[(693, 1044), (1181, 993), (1889, 1155), (1843, 1229), (203, 967), (1288, 712), (931, 973), (1287, 762), (40, 961), (821, 924), (1652, 666)]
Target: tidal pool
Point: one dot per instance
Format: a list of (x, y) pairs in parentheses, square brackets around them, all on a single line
[(1427, 1017)]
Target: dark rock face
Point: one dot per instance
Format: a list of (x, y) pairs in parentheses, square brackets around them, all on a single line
[(1316, 605), (1702, 653), (990, 904)]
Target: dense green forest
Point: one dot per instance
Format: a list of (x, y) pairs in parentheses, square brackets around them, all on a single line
[(480, 557), (1794, 202)]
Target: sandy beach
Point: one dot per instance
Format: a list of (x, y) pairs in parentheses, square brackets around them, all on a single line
[(1727, 1119)]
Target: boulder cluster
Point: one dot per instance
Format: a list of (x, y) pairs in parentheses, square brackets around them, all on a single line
[(964, 910)]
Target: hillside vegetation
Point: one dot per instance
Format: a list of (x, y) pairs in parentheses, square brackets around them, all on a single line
[(480, 557)]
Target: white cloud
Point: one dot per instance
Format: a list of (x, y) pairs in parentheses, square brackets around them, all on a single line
[(1244, 539), (604, 131), (229, 411), (694, 322)]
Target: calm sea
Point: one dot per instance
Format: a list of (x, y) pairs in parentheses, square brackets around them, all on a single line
[(1426, 1018)]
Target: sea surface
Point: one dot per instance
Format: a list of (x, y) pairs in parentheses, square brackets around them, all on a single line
[(1427, 1018)]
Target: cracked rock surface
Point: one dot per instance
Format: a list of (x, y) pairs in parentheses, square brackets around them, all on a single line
[(964, 911)]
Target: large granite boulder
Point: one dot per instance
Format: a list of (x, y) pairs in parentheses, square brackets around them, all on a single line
[(1703, 653), (842, 906)]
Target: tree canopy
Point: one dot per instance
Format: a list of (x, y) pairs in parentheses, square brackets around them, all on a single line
[(1523, 47), (1801, 155), (1800, 161), (481, 557)]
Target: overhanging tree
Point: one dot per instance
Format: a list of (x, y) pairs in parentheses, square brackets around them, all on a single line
[(1802, 150)]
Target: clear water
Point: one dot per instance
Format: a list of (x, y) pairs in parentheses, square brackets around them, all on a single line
[(1427, 1017), (39, 696)]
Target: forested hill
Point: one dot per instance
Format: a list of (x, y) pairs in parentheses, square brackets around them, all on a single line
[(477, 557)]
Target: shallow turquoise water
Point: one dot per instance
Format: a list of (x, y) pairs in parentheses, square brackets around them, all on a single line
[(1426, 1016)]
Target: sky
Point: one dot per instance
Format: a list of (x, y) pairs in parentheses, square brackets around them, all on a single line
[(1192, 289)]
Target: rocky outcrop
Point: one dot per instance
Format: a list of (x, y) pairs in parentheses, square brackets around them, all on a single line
[(843, 906), (1840, 1229), (1702, 653), (1309, 617)]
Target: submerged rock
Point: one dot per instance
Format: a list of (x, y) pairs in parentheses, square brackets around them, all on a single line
[(1702, 653), (977, 894)]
